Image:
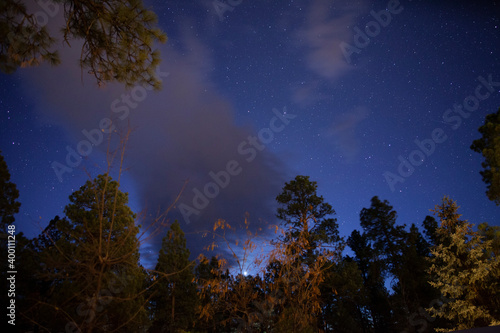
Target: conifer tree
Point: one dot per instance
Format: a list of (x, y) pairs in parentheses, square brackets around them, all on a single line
[(465, 271), (174, 299), (379, 224), (305, 215), (94, 267), (378, 316), (118, 39), (9, 205), (345, 301), (489, 146)]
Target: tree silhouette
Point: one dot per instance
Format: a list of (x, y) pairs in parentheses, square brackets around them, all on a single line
[(9, 205), (489, 147), (174, 293)]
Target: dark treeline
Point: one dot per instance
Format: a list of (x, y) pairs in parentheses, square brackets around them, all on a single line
[(83, 274)]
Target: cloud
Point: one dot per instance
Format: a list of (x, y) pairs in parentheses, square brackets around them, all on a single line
[(327, 25), (343, 132), (183, 132)]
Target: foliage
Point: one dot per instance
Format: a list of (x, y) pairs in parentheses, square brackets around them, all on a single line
[(229, 295), (87, 275), (9, 205), (465, 271), (23, 42), (377, 314), (297, 283), (118, 38), (304, 215), (344, 298), (379, 224), (209, 278), (489, 147), (174, 292), (93, 269)]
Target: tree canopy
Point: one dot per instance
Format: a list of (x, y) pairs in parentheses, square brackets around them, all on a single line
[(118, 39), (91, 259), (466, 272), (489, 146), (86, 275)]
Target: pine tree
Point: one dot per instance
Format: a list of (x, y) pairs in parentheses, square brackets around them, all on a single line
[(309, 247), (118, 38), (465, 272), (37, 285), (174, 299), (489, 147), (378, 317), (304, 214), (345, 301), (411, 273), (379, 224), (94, 268)]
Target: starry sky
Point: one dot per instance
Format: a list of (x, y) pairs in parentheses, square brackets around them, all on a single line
[(367, 98)]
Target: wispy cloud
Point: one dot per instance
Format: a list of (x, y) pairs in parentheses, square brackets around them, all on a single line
[(344, 132), (328, 23)]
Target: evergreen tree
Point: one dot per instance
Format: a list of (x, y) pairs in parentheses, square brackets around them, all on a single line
[(465, 271), (118, 38), (430, 230), (411, 273), (378, 317), (311, 237), (23, 42), (36, 283), (174, 292), (94, 268), (489, 147), (9, 205), (305, 214), (491, 233), (345, 301), (379, 225)]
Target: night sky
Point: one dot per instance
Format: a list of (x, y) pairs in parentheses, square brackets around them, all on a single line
[(254, 93)]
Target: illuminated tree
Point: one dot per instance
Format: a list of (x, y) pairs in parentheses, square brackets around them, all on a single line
[(305, 215), (466, 271)]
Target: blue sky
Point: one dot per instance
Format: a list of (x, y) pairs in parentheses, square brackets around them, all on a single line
[(354, 111)]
